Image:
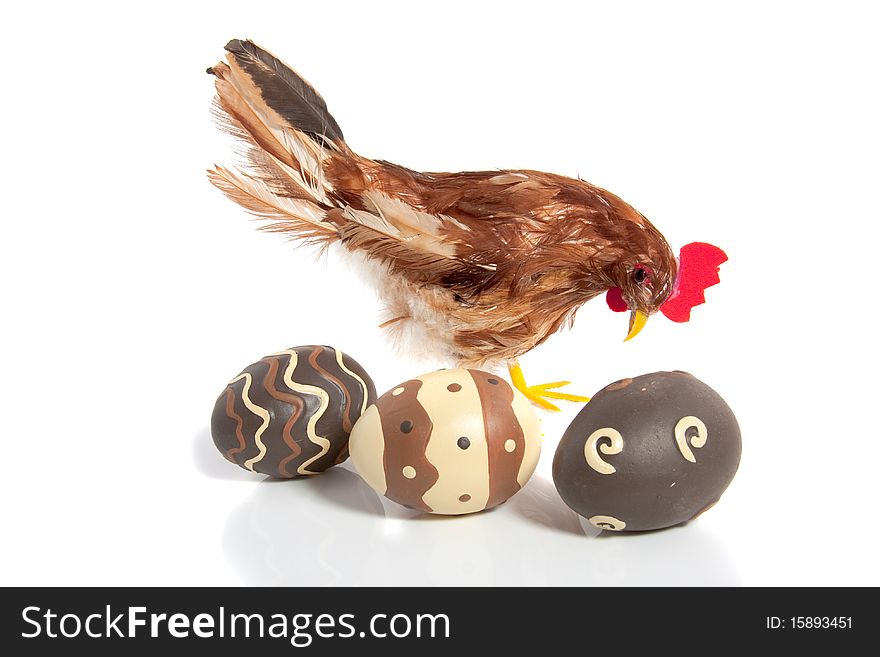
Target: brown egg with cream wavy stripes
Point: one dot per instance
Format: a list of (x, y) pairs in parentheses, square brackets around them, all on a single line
[(450, 442), (290, 413)]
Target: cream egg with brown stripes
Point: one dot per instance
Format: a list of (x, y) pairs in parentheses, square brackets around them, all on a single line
[(450, 442)]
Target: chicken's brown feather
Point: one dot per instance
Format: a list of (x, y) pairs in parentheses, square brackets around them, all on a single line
[(489, 263)]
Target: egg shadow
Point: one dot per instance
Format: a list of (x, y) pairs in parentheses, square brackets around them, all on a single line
[(689, 554), (344, 488), (539, 503), (210, 463)]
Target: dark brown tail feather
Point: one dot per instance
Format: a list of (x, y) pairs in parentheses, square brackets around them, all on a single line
[(285, 91)]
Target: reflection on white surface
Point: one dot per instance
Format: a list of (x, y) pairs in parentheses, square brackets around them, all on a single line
[(334, 530)]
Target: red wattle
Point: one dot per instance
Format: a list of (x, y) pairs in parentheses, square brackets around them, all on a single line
[(615, 301), (697, 269)]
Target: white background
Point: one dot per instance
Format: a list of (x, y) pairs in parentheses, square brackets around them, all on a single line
[(132, 290)]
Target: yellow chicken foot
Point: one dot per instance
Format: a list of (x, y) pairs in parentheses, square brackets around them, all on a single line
[(538, 394)]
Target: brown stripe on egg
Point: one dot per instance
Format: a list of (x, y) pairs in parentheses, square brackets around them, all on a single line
[(504, 436), (284, 454), (406, 427), (363, 391), (270, 385), (288, 418), (239, 423), (342, 456), (316, 456), (247, 424), (346, 411)]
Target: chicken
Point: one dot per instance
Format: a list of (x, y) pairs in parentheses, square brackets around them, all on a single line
[(482, 266)]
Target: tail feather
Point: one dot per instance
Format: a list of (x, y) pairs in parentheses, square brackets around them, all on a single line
[(301, 218), (294, 154), (242, 98), (284, 91), (238, 118), (283, 180)]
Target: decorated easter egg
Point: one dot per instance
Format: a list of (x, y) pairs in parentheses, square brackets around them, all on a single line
[(291, 413), (450, 442), (648, 453)]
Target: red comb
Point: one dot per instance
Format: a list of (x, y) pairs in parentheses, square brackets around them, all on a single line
[(697, 269)]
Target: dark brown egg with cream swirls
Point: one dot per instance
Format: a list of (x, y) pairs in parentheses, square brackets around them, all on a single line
[(290, 413), (649, 452)]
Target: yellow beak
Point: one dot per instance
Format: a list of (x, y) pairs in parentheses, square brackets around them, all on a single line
[(637, 321)]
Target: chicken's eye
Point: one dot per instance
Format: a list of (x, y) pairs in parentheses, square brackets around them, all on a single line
[(640, 275)]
